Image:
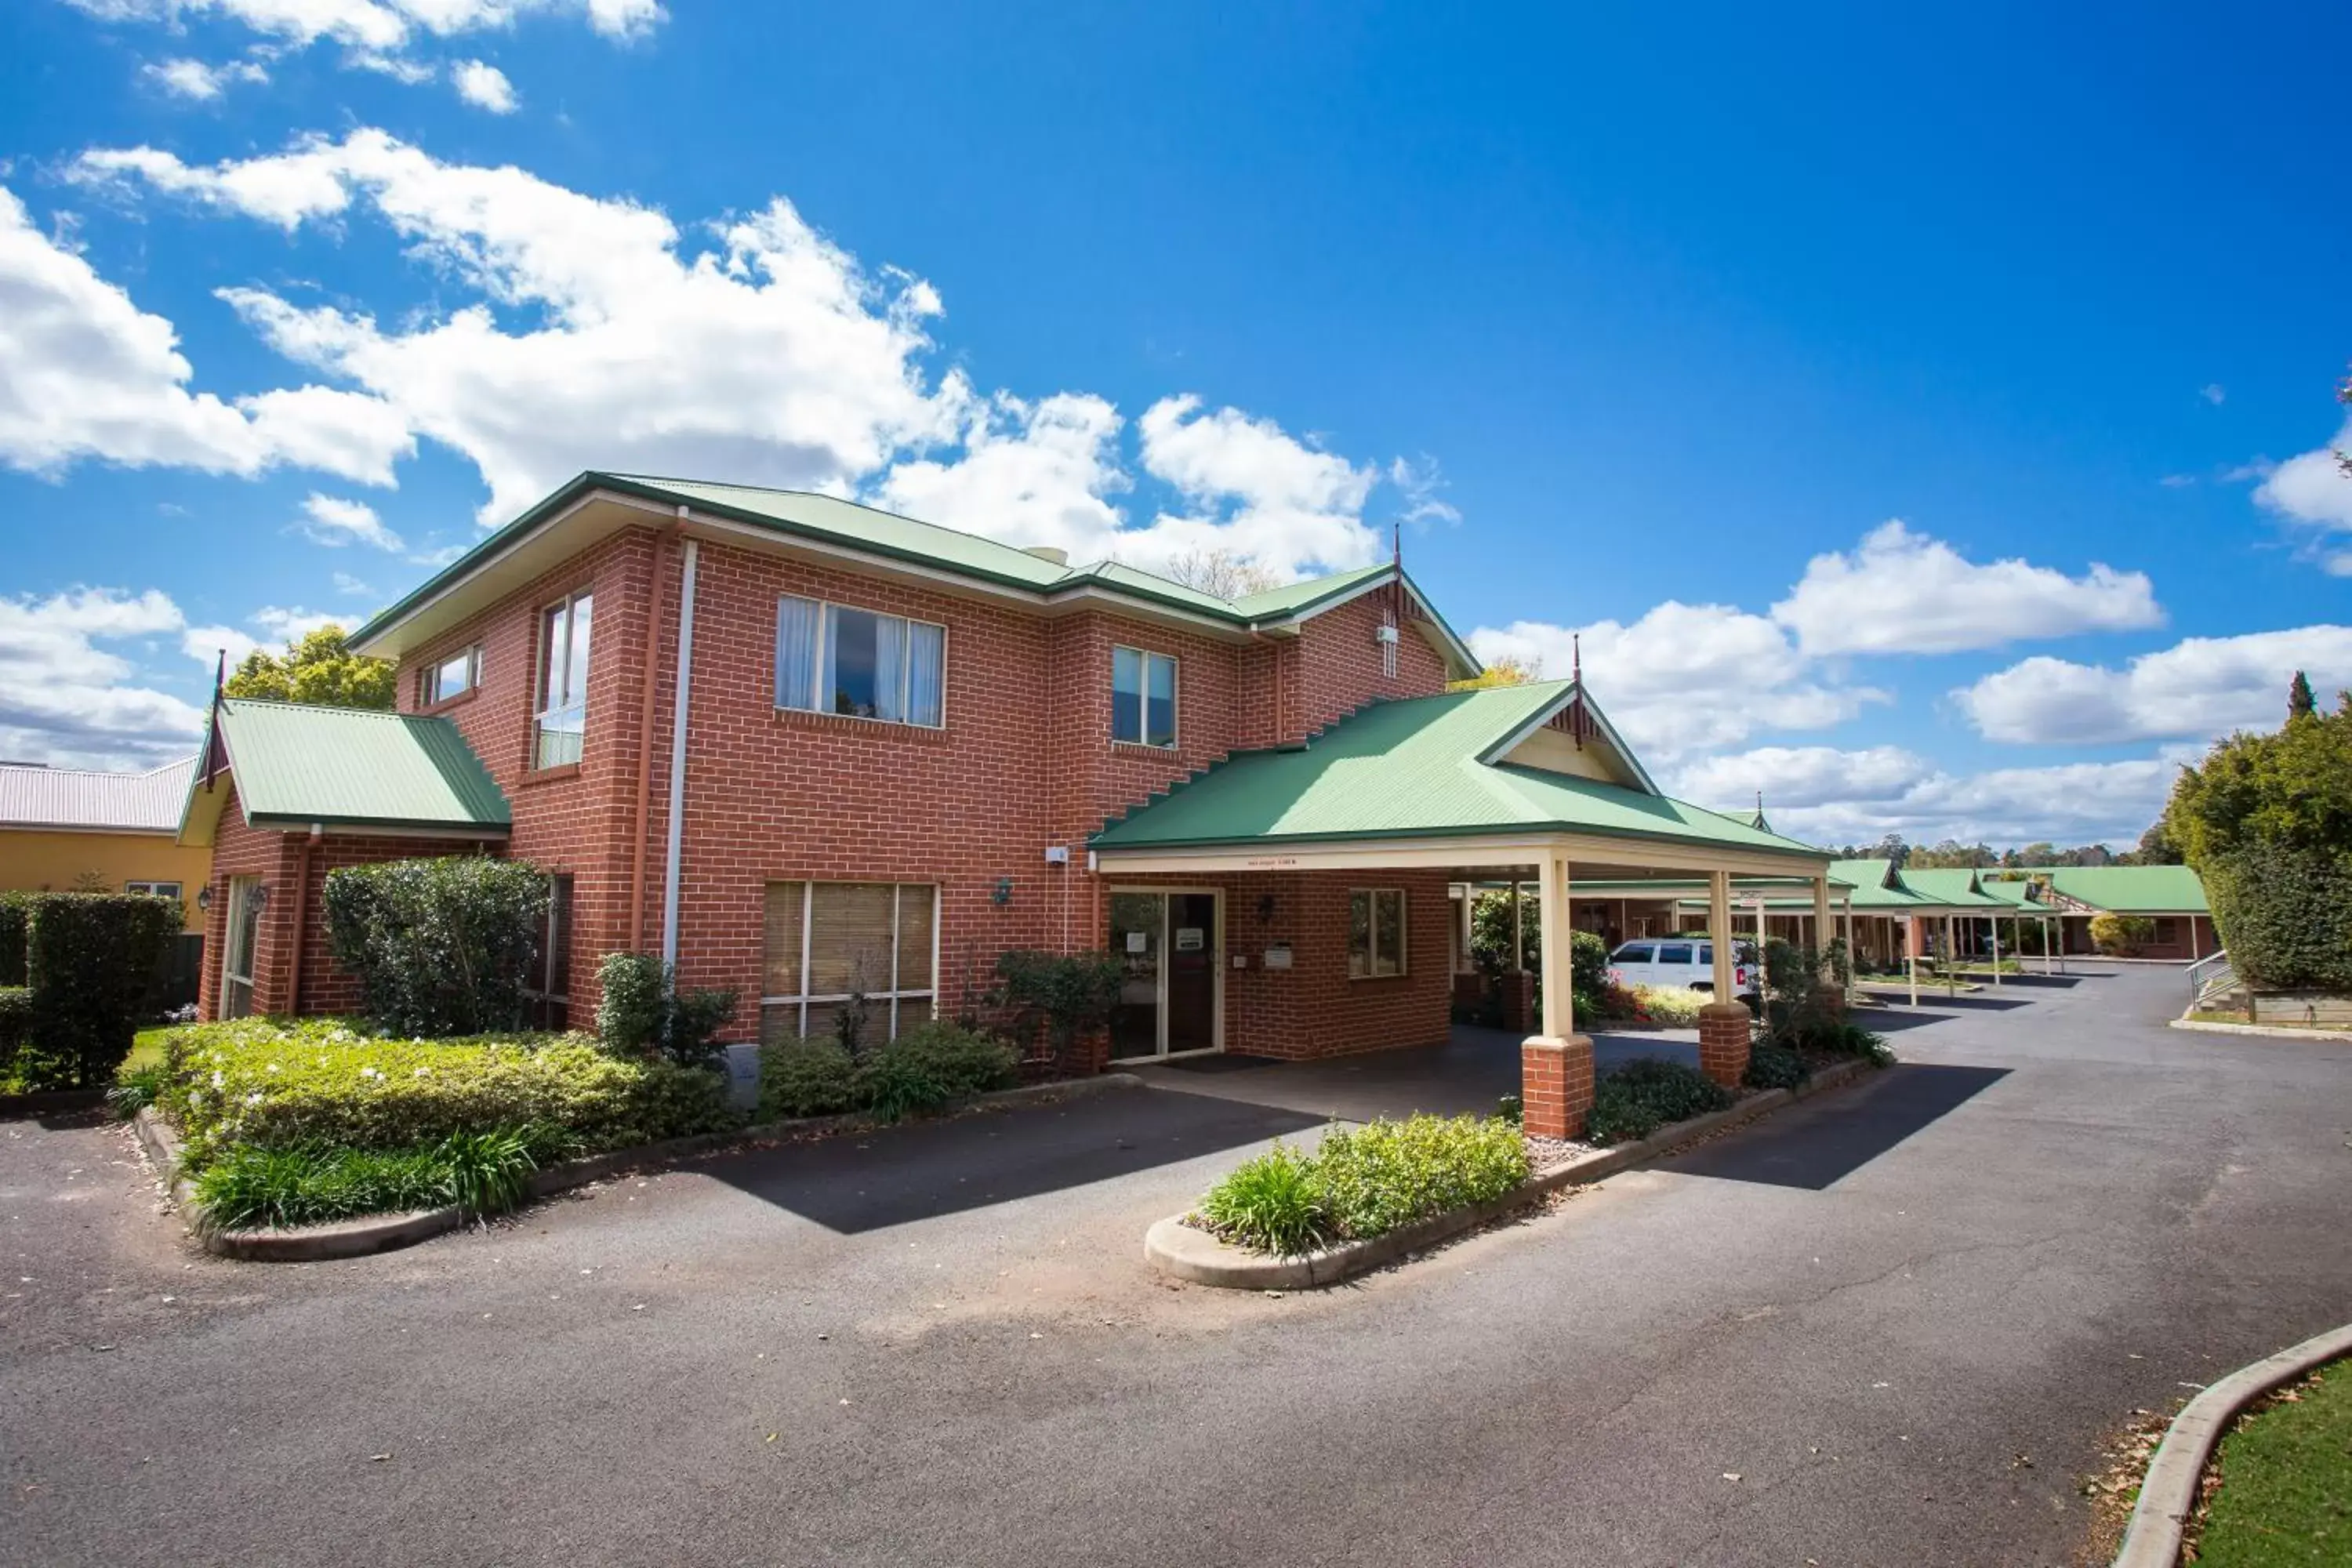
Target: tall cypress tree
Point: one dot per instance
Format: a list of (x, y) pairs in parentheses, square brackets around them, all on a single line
[(2299, 704)]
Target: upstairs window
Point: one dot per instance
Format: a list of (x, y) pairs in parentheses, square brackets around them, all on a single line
[(562, 723), (1142, 697), (153, 890), (454, 676), (1375, 933), (831, 659)]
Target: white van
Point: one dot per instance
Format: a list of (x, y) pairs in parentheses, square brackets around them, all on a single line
[(1684, 961)]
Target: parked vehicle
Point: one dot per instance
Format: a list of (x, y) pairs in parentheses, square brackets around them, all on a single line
[(1684, 961)]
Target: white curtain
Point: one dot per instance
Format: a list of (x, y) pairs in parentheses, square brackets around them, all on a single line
[(926, 672), (890, 668), (796, 624)]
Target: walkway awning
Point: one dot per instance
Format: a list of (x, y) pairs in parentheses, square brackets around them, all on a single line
[(343, 770), (1492, 778)]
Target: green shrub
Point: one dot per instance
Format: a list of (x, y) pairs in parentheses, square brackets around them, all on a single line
[(1849, 1040), (2285, 913), (1273, 1203), (894, 1083), (289, 1083), (642, 1010), (1066, 995), (15, 914), (807, 1077), (1512, 1108), (1676, 1006), (483, 1173), (2114, 934), (136, 1089), (1774, 1067), (1643, 1096), (442, 947), (1366, 1181), (963, 1062), (1386, 1173), (91, 960), (15, 1027)]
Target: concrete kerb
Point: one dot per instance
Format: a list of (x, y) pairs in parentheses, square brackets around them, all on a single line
[(1175, 1248), (385, 1233), (2261, 1031), (2168, 1498)]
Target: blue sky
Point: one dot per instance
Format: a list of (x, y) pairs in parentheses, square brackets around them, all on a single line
[(1650, 326)]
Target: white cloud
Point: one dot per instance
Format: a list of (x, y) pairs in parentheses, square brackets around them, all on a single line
[(86, 374), (2313, 494), (201, 82), (2198, 688), (484, 86), (1686, 677), (1824, 795), (65, 700), (1254, 490), (1906, 593), (2214, 393), (1030, 473), (378, 35), (346, 583), (333, 521), (289, 624)]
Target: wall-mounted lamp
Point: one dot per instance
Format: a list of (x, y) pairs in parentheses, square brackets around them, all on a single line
[(259, 897), (1002, 894), (204, 897)]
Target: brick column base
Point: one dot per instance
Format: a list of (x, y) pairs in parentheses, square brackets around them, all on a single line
[(1723, 1032), (1515, 989), (1555, 1085)]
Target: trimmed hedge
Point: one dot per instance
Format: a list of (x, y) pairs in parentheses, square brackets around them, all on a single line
[(15, 913), (2285, 915), (1644, 1095), (442, 947), (92, 962), (268, 1083), (15, 1026), (929, 1066)]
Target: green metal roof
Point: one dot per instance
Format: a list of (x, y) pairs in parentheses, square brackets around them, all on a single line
[(831, 519), (1878, 886), (1954, 889), (348, 767), (2131, 889), (1412, 768)]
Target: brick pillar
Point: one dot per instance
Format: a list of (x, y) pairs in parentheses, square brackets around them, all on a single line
[(1723, 1032), (1556, 1085), (1516, 988)]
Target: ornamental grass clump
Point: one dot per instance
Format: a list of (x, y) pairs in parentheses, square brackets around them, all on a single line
[(1676, 1006), (480, 1173), (1366, 1181)]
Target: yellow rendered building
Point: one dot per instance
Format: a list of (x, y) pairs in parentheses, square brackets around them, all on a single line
[(70, 830)]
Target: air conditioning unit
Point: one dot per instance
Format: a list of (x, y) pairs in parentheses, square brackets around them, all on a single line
[(1057, 854), (1384, 634)]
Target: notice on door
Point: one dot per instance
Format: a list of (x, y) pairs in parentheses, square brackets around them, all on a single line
[(1138, 942), (1190, 939)]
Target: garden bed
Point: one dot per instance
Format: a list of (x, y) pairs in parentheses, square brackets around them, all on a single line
[(1184, 1248), (2280, 1489)]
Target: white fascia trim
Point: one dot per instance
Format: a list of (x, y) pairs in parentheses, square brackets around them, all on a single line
[(1467, 851)]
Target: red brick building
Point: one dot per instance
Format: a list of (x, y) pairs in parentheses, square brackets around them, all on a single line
[(905, 749)]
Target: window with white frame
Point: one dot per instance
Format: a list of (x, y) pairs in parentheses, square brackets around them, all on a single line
[(560, 727), (1375, 933), (831, 659), (1142, 697), (453, 675), (153, 890), (837, 947)]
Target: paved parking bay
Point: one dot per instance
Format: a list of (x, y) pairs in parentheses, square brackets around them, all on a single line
[(1887, 1325)]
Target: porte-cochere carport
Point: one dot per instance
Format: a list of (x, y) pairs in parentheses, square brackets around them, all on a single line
[(1329, 844)]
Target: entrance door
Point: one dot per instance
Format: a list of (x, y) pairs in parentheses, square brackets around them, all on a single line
[(1168, 944), (237, 952)]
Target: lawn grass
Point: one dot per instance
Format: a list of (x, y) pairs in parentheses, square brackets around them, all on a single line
[(2285, 1495), (146, 1048)]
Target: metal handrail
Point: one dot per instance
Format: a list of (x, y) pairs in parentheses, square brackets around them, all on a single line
[(2212, 979)]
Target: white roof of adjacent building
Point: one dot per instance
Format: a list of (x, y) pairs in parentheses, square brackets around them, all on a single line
[(72, 798)]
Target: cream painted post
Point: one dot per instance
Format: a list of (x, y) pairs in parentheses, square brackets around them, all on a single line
[(1552, 932), (1821, 926), (1719, 926), (1464, 963), (1519, 932), (1845, 907), (1760, 935), (1951, 959), (1994, 921)]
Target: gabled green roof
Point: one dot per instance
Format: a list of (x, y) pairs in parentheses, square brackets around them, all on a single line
[(352, 768), (1416, 768), (1878, 886), (1953, 888), (2016, 893), (832, 521), (2132, 889)]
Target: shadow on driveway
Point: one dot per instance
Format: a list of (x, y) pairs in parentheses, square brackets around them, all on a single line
[(1843, 1135), (894, 1176)]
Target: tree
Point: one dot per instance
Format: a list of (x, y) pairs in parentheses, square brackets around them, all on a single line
[(2267, 823), (2299, 703), (1221, 573), (2155, 847), (317, 668), (1501, 670)]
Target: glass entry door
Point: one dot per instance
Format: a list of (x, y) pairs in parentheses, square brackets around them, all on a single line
[(1171, 945), (237, 952)]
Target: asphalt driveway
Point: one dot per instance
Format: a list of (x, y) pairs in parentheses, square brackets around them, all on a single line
[(1889, 1325)]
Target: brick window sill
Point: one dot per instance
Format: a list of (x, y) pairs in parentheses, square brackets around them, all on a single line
[(1138, 749), (550, 775), (806, 718), (435, 709)]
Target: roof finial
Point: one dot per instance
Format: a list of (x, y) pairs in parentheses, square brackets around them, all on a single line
[(1396, 544), (1576, 657)]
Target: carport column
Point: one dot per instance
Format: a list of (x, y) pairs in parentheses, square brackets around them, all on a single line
[(1464, 963), (1555, 1067), (1724, 1023)]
